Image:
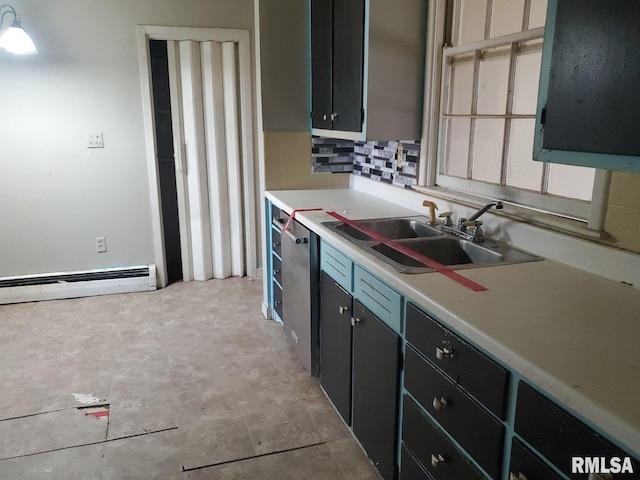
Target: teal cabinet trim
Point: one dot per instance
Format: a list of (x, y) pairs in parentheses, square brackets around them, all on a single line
[(380, 299), (337, 265), (268, 260)]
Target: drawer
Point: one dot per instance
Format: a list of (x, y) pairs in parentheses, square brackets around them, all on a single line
[(432, 449), (483, 378), (277, 299), (276, 240), (410, 469), (337, 265), (558, 435), (380, 299), (526, 464), (277, 269), (475, 429)]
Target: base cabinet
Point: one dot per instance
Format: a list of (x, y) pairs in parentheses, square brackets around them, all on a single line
[(464, 414), (359, 371)]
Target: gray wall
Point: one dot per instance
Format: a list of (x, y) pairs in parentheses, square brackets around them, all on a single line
[(285, 56), (56, 195)]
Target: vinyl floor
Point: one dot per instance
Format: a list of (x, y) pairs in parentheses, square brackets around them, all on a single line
[(189, 382)]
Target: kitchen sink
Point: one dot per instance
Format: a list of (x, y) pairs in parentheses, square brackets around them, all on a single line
[(415, 234), (391, 228)]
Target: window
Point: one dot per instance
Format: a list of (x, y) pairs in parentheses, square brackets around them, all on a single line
[(484, 126)]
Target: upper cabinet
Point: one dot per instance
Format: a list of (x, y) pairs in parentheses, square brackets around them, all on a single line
[(367, 68), (588, 106)]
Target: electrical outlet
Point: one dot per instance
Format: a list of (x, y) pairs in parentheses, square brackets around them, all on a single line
[(101, 244), (95, 140)]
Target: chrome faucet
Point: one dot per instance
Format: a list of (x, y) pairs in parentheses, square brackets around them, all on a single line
[(462, 230), (484, 209)]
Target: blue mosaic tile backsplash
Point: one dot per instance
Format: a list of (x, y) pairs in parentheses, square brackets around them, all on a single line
[(394, 162)]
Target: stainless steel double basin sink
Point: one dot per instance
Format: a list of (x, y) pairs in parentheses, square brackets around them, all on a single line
[(416, 234)]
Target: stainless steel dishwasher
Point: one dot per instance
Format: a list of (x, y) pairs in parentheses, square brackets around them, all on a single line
[(297, 283)]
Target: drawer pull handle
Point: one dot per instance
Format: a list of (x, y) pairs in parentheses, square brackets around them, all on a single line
[(343, 309), (437, 460), (439, 403), (442, 353), (520, 476), (354, 321)]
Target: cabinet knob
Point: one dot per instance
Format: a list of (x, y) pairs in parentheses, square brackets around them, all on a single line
[(439, 403), (334, 117), (354, 321), (275, 272), (442, 353), (436, 460), (276, 244), (343, 309)]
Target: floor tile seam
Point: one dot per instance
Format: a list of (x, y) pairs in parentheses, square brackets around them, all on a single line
[(88, 444), (29, 415), (252, 457)]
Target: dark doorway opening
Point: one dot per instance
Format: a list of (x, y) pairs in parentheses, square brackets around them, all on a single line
[(165, 158)]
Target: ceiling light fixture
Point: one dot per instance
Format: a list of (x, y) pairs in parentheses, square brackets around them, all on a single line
[(14, 39)]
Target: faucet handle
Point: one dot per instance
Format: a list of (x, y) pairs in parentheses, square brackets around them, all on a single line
[(447, 218), (478, 234)]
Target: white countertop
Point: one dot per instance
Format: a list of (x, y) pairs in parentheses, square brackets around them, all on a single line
[(573, 334)]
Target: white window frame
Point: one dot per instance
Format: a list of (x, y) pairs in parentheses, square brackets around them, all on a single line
[(435, 75)]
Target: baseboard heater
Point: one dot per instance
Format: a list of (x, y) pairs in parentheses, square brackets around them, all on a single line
[(84, 283)]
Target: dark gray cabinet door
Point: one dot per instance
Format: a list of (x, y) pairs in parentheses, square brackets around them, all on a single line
[(348, 57), (321, 63), (337, 57), (376, 351), (592, 104), (335, 344), (559, 436), (588, 106), (432, 448)]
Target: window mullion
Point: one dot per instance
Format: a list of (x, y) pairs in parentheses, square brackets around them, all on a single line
[(487, 25), (526, 15), (509, 111), (474, 112), (544, 183)]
